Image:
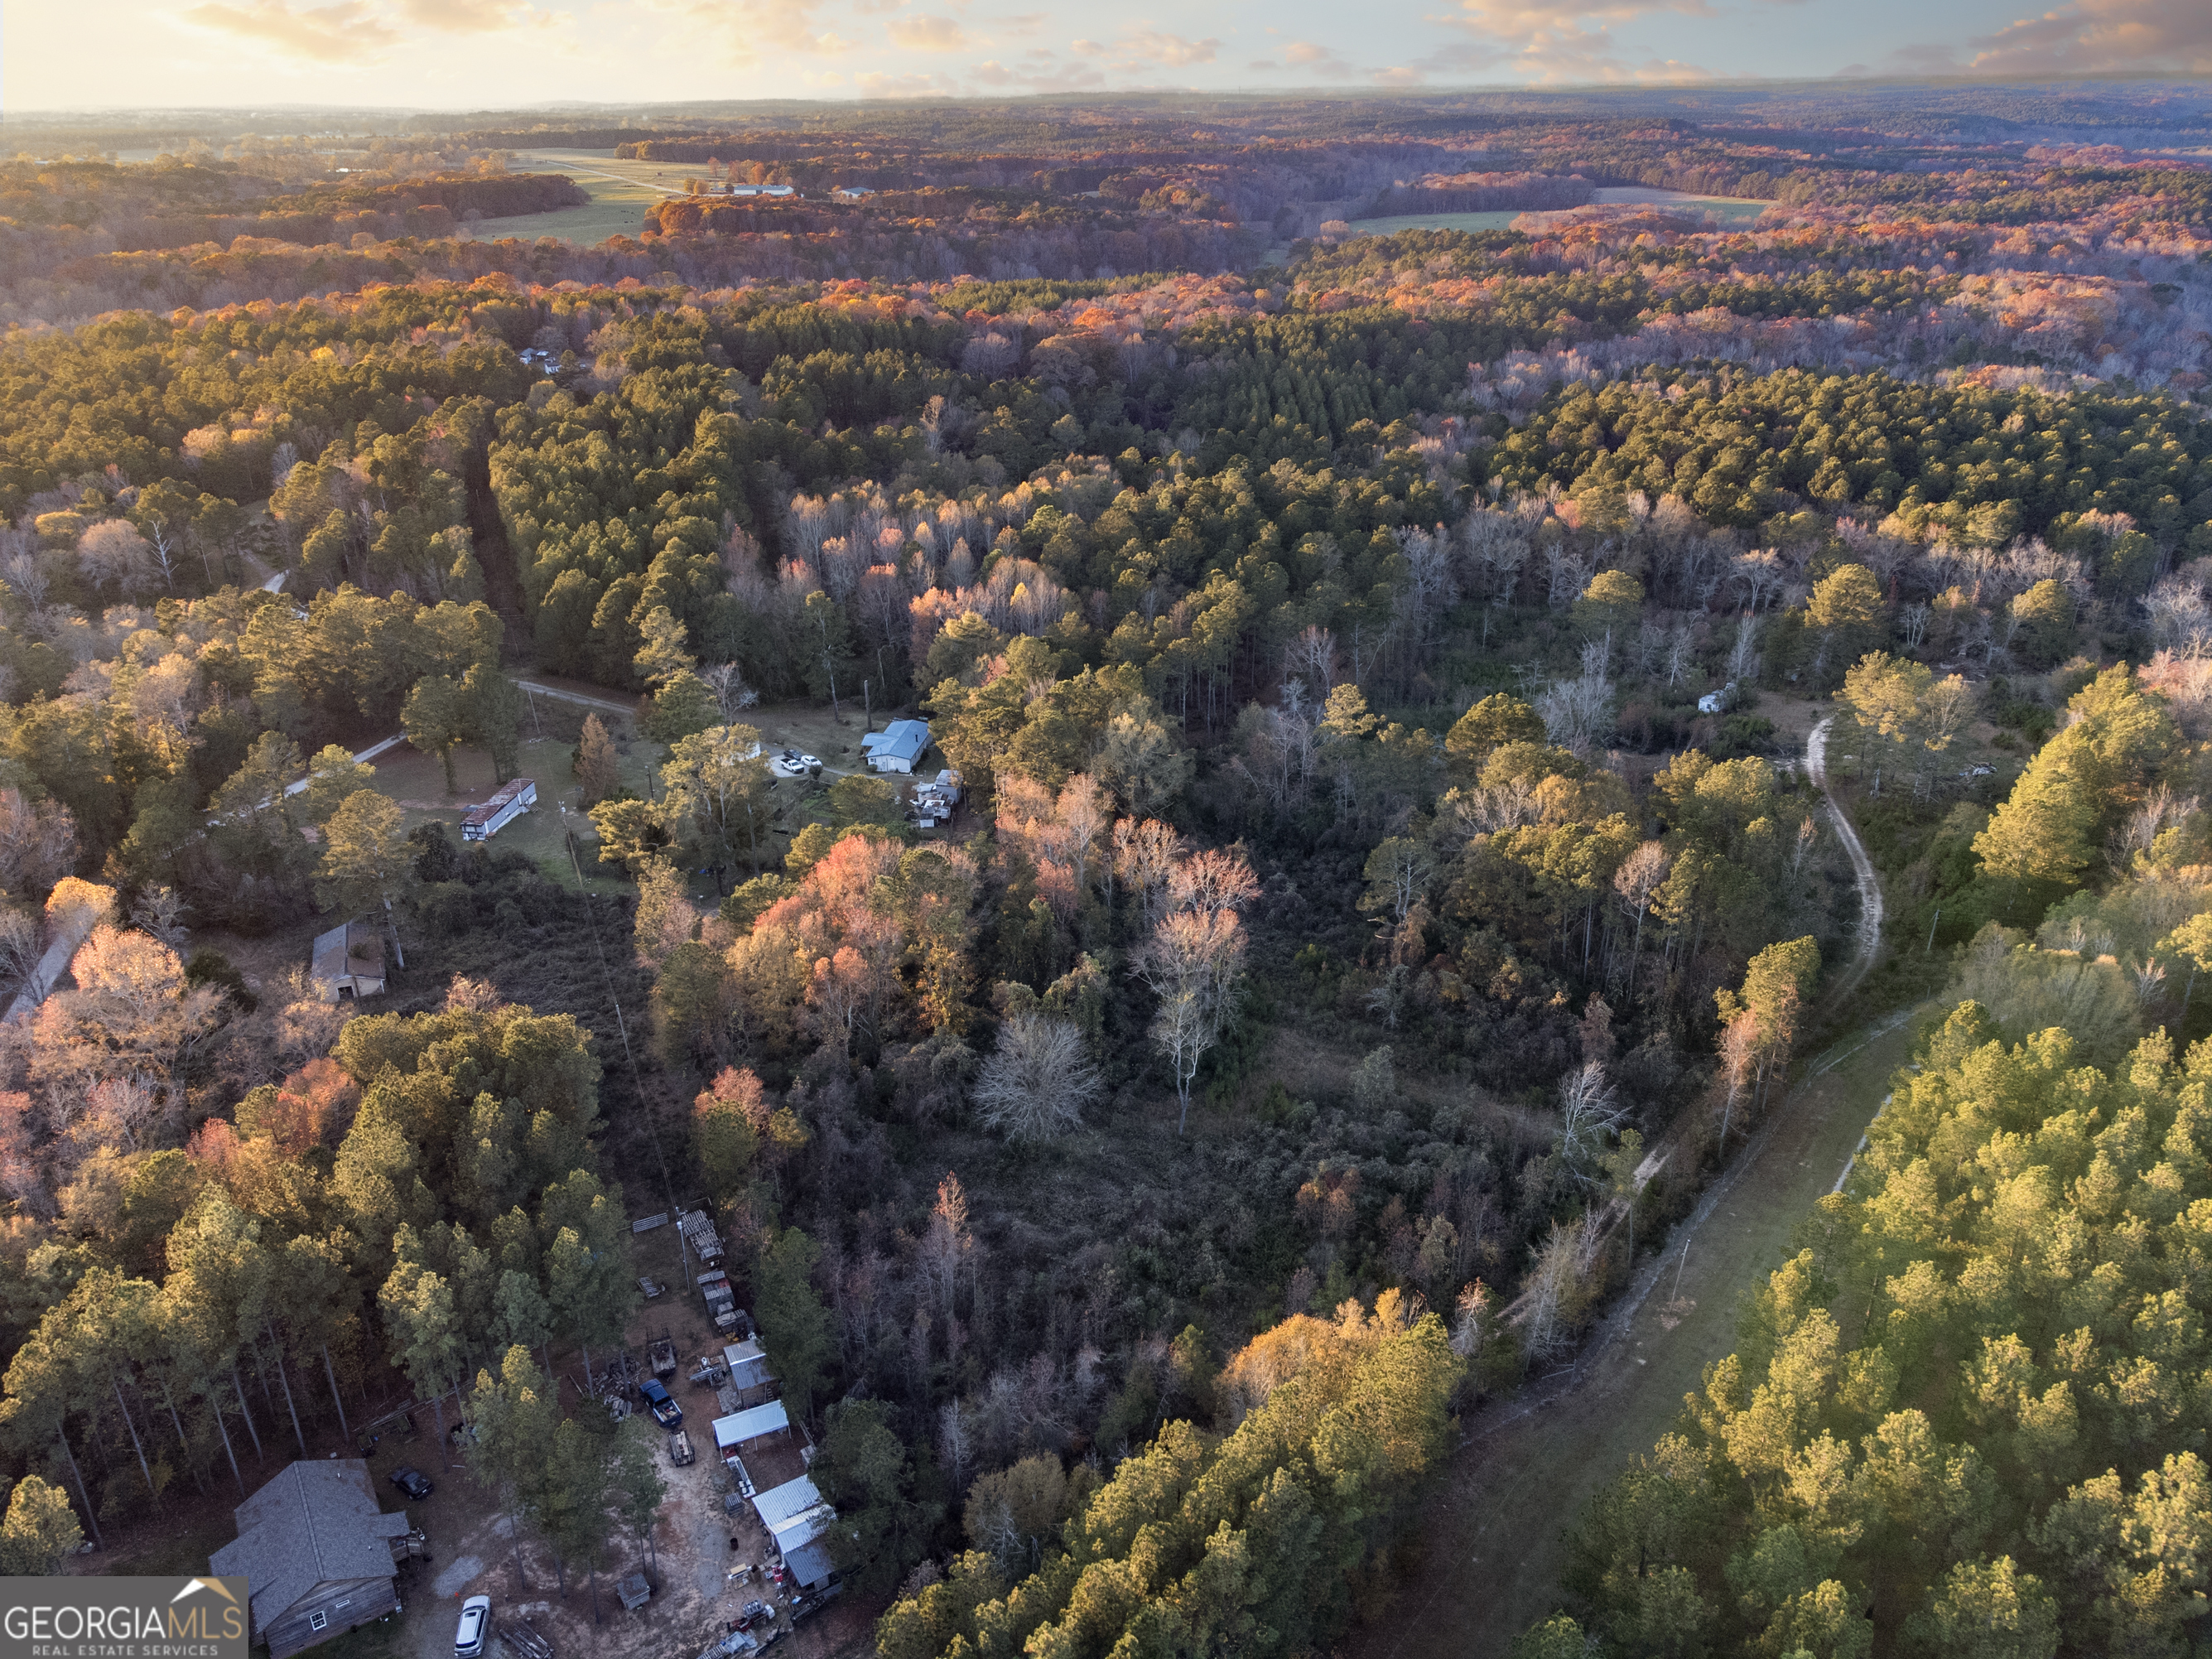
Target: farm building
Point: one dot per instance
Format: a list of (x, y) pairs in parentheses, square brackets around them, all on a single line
[(316, 1553), (348, 962), (733, 1433), (796, 1515), (898, 747), (749, 1373), (510, 803)]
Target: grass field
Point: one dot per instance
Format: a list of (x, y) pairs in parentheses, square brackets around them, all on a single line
[(1728, 210), (417, 782), (1469, 221), (620, 191)]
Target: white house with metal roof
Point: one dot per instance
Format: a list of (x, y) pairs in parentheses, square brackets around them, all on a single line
[(898, 747)]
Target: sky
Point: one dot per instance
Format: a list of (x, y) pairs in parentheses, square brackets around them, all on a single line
[(493, 54)]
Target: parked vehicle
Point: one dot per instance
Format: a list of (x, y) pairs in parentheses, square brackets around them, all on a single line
[(412, 1481), (664, 1356), (665, 1410), (469, 1638), (679, 1449)]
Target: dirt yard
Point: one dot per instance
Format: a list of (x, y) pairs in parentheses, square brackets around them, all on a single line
[(699, 1550)]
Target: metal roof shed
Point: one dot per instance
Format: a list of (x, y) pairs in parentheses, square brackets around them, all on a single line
[(741, 1429), (779, 1506), (809, 1565), (748, 1365)]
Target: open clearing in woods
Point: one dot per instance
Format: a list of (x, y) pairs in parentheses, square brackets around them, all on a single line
[(1493, 1543), (621, 190)]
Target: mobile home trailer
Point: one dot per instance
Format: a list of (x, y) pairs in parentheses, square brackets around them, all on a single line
[(512, 801)]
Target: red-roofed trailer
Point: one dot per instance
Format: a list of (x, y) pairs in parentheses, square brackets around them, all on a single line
[(512, 801)]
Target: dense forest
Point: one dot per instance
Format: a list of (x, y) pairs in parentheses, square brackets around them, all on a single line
[(1389, 882)]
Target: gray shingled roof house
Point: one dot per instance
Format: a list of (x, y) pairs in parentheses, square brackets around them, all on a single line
[(317, 1554)]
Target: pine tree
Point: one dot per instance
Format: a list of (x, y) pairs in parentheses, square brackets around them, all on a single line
[(598, 767)]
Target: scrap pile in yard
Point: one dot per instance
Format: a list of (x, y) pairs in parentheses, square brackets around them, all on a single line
[(933, 802)]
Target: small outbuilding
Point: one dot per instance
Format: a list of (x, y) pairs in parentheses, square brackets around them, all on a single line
[(317, 1554), (810, 1567), (733, 1433), (794, 1513), (348, 962), (898, 747), (750, 1376)]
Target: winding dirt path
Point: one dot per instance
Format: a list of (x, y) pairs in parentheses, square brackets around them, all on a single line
[(1493, 1543), (1870, 909)]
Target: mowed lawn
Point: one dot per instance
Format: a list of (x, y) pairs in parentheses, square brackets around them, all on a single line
[(620, 191), (417, 782)]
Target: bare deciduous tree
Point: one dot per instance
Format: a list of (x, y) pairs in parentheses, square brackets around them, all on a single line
[(1144, 857), (1589, 1110), (20, 946), (1192, 963), (1552, 1290), (114, 555), (1739, 1051), (731, 692), (1038, 1081), (160, 912), (1636, 882), (38, 843)]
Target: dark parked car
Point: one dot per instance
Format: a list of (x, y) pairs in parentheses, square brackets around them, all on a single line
[(665, 1410), (411, 1480)]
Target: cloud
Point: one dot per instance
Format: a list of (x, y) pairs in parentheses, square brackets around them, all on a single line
[(1552, 42), (1314, 59), (2089, 36), (1039, 73), (927, 34), (1171, 50), (465, 17), (877, 85), (745, 33), (1266, 64), (345, 32)]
